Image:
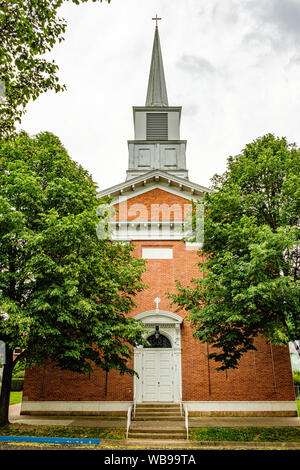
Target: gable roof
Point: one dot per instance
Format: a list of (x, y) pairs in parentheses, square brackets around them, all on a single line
[(155, 179)]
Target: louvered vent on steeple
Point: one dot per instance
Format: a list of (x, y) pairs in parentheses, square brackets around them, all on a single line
[(157, 126)]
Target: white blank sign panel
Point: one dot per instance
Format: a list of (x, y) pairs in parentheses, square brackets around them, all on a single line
[(157, 253)]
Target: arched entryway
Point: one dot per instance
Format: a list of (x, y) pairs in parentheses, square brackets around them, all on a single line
[(158, 341), (159, 364)]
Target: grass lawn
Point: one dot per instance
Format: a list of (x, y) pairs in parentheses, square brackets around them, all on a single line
[(15, 397), (62, 431), (283, 434), (298, 405)]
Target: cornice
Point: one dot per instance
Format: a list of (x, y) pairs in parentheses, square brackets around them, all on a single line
[(154, 176)]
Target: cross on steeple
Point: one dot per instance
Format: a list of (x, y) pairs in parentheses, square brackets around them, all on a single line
[(156, 19)]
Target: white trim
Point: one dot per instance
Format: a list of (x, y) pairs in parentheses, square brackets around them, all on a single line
[(145, 177), (169, 325), (160, 316), (74, 406), (151, 230), (99, 407), (241, 406), (193, 245)]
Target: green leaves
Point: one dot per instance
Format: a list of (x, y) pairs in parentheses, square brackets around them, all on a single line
[(28, 29), (252, 262), (66, 293)]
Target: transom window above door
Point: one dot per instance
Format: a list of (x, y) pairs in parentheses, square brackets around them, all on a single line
[(158, 342)]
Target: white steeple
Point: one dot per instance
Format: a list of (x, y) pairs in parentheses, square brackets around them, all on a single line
[(157, 90), (157, 143)]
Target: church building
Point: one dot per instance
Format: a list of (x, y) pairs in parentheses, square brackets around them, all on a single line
[(153, 203)]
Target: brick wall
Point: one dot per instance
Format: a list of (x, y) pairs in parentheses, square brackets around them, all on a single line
[(156, 204), (264, 374)]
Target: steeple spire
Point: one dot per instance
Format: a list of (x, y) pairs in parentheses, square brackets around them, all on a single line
[(157, 90)]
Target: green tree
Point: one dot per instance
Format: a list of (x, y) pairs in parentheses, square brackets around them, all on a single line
[(64, 293), (28, 30), (251, 254)]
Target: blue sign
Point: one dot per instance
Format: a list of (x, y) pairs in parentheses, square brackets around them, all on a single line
[(48, 440)]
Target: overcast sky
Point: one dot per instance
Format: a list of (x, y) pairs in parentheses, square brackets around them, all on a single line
[(233, 66)]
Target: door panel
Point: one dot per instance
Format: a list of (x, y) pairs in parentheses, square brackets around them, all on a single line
[(165, 376), (149, 376), (157, 375)]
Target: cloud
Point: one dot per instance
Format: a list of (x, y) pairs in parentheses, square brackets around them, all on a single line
[(263, 40), (277, 19), (196, 65), (228, 10), (295, 60)]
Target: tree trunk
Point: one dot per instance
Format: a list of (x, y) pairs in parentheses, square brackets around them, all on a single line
[(5, 387)]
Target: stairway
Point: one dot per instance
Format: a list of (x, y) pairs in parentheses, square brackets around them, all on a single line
[(157, 421)]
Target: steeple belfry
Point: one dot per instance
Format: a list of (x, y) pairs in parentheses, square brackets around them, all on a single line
[(157, 90)]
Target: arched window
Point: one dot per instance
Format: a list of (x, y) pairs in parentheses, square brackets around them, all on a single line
[(160, 342)]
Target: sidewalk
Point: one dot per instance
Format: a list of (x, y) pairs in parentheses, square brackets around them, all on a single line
[(104, 422), (145, 444), (197, 445)]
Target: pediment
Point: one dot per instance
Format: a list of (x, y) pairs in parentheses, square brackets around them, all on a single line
[(159, 317), (156, 179)]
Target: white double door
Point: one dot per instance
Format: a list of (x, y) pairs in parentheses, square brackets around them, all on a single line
[(158, 375)]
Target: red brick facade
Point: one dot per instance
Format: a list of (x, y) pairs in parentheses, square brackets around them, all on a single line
[(152, 205), (263, 375)]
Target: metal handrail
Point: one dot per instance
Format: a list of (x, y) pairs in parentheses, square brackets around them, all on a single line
[(187, 421), (128, 420), (134, 398), (180, 404)]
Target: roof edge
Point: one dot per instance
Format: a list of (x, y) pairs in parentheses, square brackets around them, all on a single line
[(148, 176)]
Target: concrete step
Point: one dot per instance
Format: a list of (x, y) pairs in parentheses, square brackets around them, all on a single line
[(158, 410), (157, 418), (157, 413), (154, 424), (157, 430), (157, 405), (161, 436), (167, 443)]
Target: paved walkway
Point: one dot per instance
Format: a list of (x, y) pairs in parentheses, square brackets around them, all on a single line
[(116, 422), (97, 421), (197, 445)]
